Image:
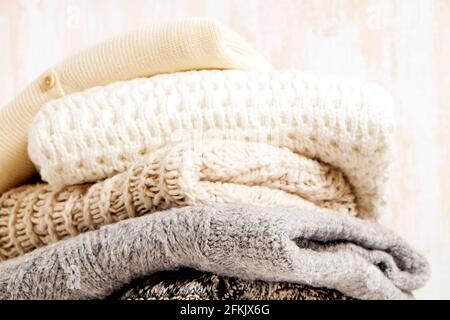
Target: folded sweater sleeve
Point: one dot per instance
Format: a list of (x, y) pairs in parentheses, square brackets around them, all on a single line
[(356, 257)]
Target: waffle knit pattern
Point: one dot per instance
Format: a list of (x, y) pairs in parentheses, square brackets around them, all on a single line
[(180, 175), (160, 48), (95, 134), (357, 257), (190, 284)]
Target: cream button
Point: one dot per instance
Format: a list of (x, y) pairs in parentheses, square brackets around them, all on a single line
[(48, 82)]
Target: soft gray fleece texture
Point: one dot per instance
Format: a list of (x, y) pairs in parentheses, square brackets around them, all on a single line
[(358, 258)]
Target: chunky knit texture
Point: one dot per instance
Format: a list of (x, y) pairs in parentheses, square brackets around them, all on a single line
[(359, 258), (179, 175), (97, 133), (191, 284), (160, 48)]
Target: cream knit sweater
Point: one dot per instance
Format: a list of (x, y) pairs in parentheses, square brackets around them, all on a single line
[(176, 176), (167, 47), (97, 133)]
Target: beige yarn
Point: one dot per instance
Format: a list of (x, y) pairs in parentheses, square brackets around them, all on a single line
[(179, 175), (94, 134)]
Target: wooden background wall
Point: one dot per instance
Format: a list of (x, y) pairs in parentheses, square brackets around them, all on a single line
[(402, 44)]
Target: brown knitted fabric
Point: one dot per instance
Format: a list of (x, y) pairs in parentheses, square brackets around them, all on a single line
[(190, 284), (184, 174)]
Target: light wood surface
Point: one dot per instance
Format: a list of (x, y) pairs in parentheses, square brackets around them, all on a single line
[(402, 44)]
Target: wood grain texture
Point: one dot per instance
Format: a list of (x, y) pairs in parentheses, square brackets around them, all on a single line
[(402, 44)]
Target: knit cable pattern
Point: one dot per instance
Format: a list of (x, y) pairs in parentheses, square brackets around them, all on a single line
[(97, 133), (190, 173)]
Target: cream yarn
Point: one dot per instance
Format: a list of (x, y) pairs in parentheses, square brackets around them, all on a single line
[(97, 133), (175, 176)]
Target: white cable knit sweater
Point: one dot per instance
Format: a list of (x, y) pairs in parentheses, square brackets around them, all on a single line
[(99, 132)]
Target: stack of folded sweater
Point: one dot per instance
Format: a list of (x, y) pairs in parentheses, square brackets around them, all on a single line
[(176, 163)]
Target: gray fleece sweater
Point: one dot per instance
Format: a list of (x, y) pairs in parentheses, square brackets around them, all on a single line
[(358, 258)]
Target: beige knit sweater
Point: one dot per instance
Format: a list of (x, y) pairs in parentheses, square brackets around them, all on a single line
[(179, 175), (160, 48)]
